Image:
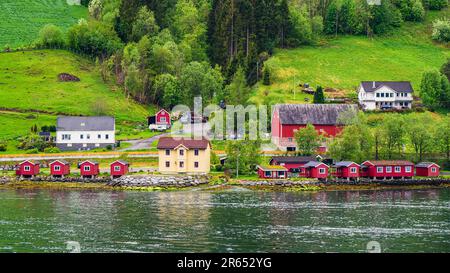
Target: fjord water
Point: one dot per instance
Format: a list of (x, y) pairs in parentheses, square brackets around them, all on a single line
[(227, 221)]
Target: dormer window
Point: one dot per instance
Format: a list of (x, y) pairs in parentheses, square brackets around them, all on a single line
[(83, 124)]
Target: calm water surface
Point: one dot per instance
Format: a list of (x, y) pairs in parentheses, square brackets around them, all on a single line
[(228, 221)]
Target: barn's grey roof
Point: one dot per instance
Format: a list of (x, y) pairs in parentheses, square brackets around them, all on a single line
[(425, 164), (292, 159), (317, 114), (313, 164), (103, 123), (401, 86), (344, 163)]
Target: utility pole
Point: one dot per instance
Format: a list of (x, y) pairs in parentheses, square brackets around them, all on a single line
[(237, 162)]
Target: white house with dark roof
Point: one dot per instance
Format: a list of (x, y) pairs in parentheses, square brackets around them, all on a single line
[(85, 133), (373, 95)]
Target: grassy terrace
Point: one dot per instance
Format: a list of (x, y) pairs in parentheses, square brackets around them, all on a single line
[(343, 62), (21, 20)]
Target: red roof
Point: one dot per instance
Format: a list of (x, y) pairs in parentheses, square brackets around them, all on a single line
[(171, 143)]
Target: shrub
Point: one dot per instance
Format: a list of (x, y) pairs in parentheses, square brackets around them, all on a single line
[(50, 36), (32, 151), (52, 150), (441, 30), (3, 146), (109, 147), (266, 76)]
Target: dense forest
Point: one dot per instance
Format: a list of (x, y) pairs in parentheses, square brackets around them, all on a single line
[(165, 52)]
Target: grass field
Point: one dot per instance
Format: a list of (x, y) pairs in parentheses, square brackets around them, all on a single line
[(21, 20), (28, 82), (344, 62)]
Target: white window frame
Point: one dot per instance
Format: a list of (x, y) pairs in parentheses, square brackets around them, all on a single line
[(408, 169), (389, 169), (281, 174), (267, 172), (163, 119), (380, 169), (57, 168), (322, 171), (398, 169), (117, 168), (27, 168), (353, 170), (87, 168), (433, 169)]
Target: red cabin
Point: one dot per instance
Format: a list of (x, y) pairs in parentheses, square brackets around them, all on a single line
[(272, 172), (427, 169), (160, 122), (294, 164), (288, 118), (89, 169), (346, 169), (59, 168), (119, 168), (28, 168), (315, 169), (387, 169)]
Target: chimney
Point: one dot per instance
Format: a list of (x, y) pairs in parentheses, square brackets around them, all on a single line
[(373, 84)]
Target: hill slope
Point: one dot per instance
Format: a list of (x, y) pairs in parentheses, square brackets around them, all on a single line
[(21, 20), (343, 62), (29, 84)]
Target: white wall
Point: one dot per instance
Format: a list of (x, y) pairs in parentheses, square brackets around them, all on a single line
[(75, 137)]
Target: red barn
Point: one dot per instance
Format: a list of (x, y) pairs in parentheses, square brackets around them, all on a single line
[(315, 169), (28, 168), (160, 122), (272, 172), (119, 168), (346, 169), (59, 168), (89, 169), (387, 169), (288, 118), (294, 164), (427, 169)]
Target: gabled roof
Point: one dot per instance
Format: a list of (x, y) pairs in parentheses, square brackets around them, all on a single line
[(172, 143), (426, 164), (121, 162), (88, 161), (397, 86), (345, 164), (103, 123), (293, 159), (314, 164), (33, 162), (271, 168), (318, 114), (60, 161), (389, 162)]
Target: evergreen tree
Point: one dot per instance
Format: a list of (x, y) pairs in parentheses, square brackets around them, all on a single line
[(266, 77), (319, 97)]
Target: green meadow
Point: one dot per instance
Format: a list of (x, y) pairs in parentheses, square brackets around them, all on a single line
[(21, 20), (343, 62)]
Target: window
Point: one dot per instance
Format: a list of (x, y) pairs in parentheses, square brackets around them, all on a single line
[(66, 137), (167, 152), (382, 95), (388, 169), (167, 164), (69, 144), (433, 170), (268, 174), (195, 164), (379, 169), (408, 169), (392, 95), (81, 136), (289, 139), (107, 136), (27, 168), (378, 95), (163, 119), (181, 152), (353, 170), (321, 170), (87, 168), (196, 152), (117, 168), (56, 168), (281, 174), (99, 136), (398, 169), (181, 164), (88, 136)]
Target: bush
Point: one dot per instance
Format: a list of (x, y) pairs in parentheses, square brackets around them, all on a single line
[(435, 4), (52, 150), (441, 30), (50, 36), (109, 147), (266, 76), (3, 146), (32, 151)]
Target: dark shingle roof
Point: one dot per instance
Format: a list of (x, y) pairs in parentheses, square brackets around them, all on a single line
[(171, 143), (402, 86), (313, 164), (292, 159), (318, 114), (344, 163), (85, 123), (121, 162), (60, 160)]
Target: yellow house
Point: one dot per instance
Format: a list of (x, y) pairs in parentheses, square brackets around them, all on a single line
[(183, 156)]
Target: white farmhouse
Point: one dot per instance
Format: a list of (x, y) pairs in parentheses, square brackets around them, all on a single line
[(374, 95), (85, 133)]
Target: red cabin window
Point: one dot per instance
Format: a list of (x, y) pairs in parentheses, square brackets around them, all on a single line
[(433, 170), (408, 169), (116, 168), (379, 169), (57, 168), (87, 168), (353, 170), (322, 170), (26, 168), (388, 169), (398, 169)]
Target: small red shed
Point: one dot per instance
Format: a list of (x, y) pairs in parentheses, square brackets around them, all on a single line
[(315, 169), (28, 168), (427, 169), (119, 168), (383, 169), (160, 121), (346, 169), (59, 168), (272, 172), (89, 169)]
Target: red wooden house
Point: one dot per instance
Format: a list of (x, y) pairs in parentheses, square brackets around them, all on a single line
[(119, 168), (346, 169), (272, 172), (288, 118), (383, 169), (427, 169), (315, 169), (294, 164), (59, 168), (160, 122), (89, 169), (28, 168)]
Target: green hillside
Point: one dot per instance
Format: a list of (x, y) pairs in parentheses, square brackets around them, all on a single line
[(343, 62), (29, 84), (21, 20)]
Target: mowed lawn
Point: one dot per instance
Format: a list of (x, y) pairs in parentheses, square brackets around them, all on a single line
[(14, 124), (21, 20), (29, 81), (344, 62)]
